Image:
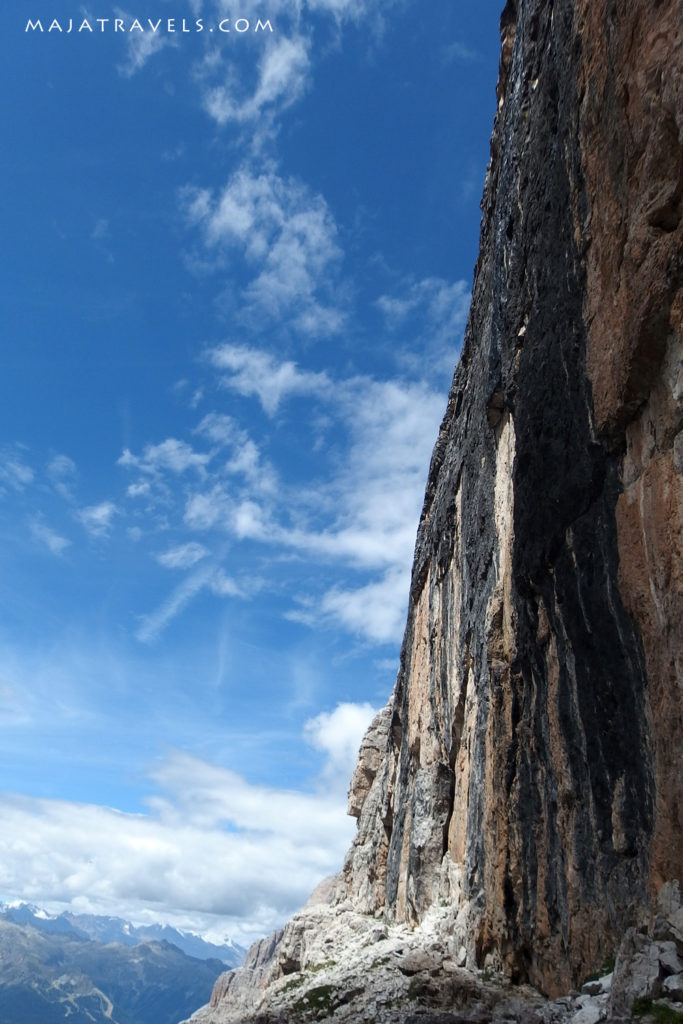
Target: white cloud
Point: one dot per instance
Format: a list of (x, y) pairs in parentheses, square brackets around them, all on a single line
[(287, 235), (62, 471), (282, 77), (246, 459), (222, 429), (140, 46), (224, 586), (100, 229), (376, 611), (182, 557), (206, 577), (47, 536), (359, 513), (13, 470), (171, 454), (208, 509), (214, 851), (338, 735), (377, 494), (155, 623), (138, 490), (61, 466), (97, 519), (285, 67), (248, 463), (459, 51), (251, 371), (446, 303), (434, 310)]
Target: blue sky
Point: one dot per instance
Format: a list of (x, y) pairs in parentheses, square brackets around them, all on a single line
[(236, 272)]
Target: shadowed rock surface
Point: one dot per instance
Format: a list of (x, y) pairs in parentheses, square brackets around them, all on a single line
[(519, 800)]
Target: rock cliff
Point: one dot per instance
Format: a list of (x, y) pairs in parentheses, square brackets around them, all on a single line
[(520, 796)]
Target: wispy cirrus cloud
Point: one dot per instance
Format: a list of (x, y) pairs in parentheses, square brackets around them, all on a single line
[(152, 625), (358, 513), (251, 371), (282, 77), (62, 471), (184, 556), (459, 51), (245, 457), (434, 310), (141, 45), (52, 540), (288, 239), (15, 473)]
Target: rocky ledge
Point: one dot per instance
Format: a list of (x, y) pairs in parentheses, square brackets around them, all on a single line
[(331, 963)]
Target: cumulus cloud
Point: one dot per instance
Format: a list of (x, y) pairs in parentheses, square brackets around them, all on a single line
[(338, 735), (376, 611), (97, 519), (377, 493), (214, 851)]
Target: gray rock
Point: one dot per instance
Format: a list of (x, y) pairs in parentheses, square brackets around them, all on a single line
[(669, 959), (672, 987), (669, 899), (676, 926), (591, 1013), (637, 973)]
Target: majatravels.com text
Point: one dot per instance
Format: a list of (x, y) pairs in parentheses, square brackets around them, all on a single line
[(159, 25)]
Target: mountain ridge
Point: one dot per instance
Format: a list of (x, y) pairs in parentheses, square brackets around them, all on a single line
[(108, 929), (49, 975)]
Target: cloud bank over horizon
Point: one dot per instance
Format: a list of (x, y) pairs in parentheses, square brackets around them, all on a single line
[(213, 853)]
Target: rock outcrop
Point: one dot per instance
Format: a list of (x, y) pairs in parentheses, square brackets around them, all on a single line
[(533, 760), (520, 797)]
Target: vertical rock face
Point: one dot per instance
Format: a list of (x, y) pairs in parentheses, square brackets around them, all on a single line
[(519, 799), (531, 760)]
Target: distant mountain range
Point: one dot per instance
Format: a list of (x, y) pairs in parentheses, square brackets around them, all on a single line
[(115, 929), (86, 969)]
